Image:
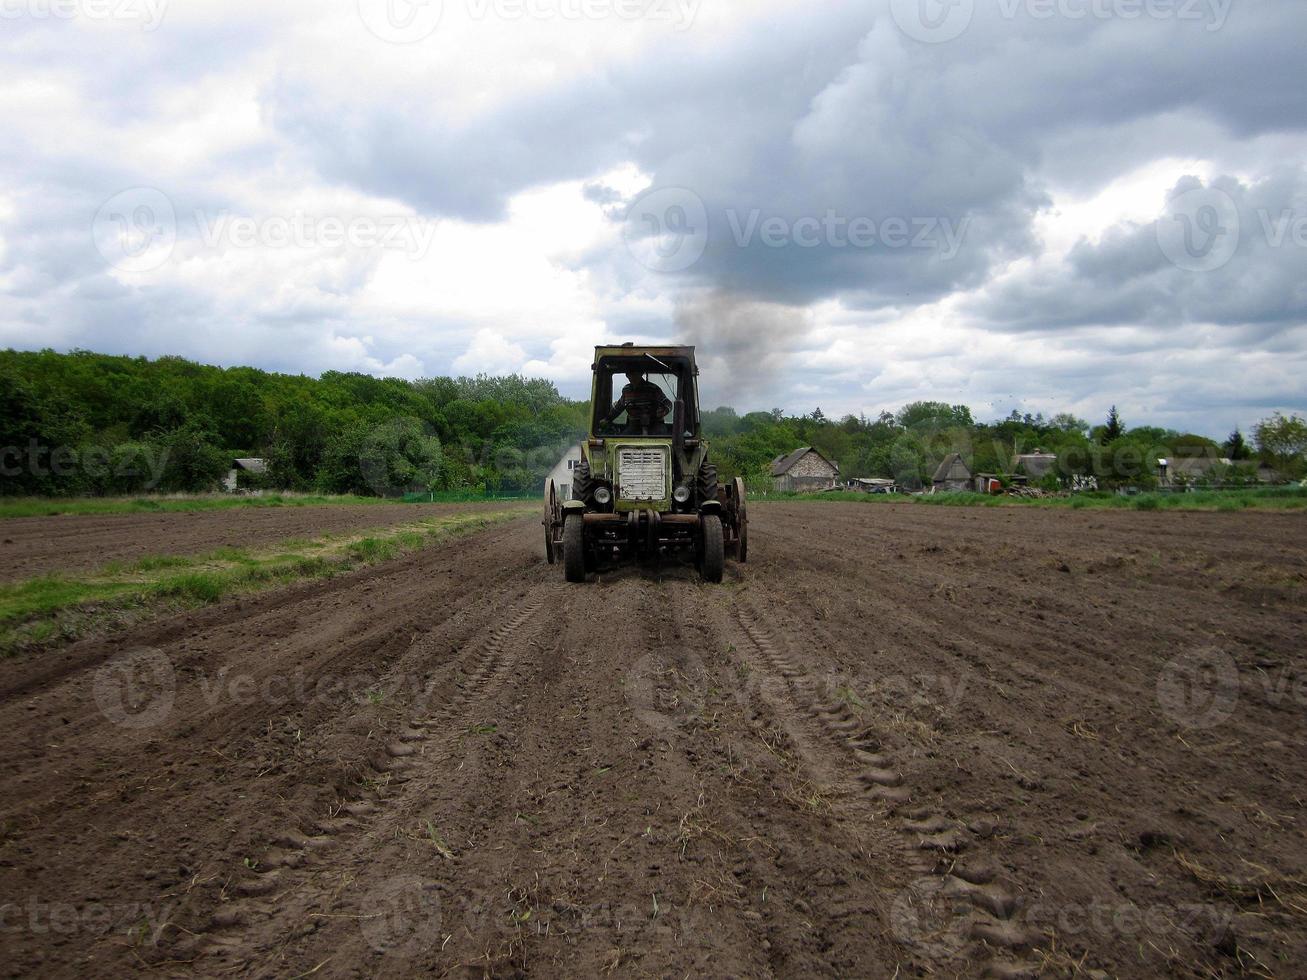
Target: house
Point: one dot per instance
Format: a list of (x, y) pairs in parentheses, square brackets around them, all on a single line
[(1188, 471), (997, 482), (952, 474), (1036, 465), (251, 465), (871, 484), (803, 471), (561, 474), (1266, 473)]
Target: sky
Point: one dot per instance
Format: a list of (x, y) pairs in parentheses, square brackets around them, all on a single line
[(1047, 205)]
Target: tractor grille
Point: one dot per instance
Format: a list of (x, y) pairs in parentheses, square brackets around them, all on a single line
[(642, 474)]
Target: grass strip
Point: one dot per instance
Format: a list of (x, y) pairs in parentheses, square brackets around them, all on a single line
[(58, 608), (1265, 498), (184, 503)]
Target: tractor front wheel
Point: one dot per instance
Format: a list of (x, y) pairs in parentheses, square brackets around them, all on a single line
[(712, 548), (574, 548)]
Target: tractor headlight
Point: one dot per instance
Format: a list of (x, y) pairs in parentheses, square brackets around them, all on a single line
[(602, 496), (681, 494)]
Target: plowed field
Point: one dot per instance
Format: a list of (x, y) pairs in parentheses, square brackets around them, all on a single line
[(900, 740)]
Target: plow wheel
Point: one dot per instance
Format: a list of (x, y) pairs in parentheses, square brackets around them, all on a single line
[(738, 514), (553, 521)]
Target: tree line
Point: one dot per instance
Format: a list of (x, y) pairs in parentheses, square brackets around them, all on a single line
[(87, 423), (907, 445)]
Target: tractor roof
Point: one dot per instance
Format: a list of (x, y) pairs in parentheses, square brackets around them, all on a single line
[(632, 350)]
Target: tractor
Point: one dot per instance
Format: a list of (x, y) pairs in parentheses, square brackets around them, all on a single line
[(644, 487)]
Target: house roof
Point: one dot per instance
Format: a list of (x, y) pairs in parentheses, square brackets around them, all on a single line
[(783, 464), (252, 464), (1036, 464), (951, 467), (1193, 465)]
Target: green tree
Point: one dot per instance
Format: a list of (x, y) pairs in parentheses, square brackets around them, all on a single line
[(1236, 448), (1113, 428), (1282, 441)]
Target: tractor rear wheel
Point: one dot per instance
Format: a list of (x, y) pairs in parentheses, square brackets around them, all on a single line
[(574, 548), (712, 548)]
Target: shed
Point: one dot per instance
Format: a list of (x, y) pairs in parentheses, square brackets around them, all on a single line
[(952, 474), (1189, 471), (1035, 465), (247, 464), (871, 484), (997, 482), (1266, 473), (803, 471), (561, 474)]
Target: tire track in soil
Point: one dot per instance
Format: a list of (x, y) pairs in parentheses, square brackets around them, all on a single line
[(823, 882), (286, 885), (613, 802), (957, 911)]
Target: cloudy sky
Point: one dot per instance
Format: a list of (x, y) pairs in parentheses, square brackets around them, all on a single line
[(1042, 204)]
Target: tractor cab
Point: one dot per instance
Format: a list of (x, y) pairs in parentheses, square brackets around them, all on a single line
[(645, 395)]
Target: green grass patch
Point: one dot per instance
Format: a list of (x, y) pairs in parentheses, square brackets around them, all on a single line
[(176, 503), (1262, 498), (152, 562), (49, 593), (52, 608)]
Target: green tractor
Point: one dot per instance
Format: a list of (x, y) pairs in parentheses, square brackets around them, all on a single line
[(644, 487)]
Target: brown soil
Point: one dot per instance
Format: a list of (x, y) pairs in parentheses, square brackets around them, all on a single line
[(38, 545), (900, 740)]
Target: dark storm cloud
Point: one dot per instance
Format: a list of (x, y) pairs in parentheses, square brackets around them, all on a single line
[(1127, 278), (841, 114)]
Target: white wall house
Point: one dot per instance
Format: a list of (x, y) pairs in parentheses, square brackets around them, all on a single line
[(561, 474)]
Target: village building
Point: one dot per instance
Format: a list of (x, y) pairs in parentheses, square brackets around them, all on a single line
[(1035, 465), (561, 474), (804, 471), (1179, 472), (952, 474), (872, 484), (998, 482), (250, 465)]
